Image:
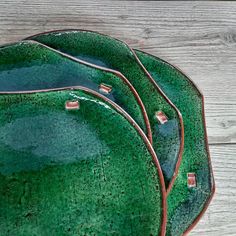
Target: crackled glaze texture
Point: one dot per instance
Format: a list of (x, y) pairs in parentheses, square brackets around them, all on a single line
[(185, 204), (31, 66), (74, 172), (111, 53)]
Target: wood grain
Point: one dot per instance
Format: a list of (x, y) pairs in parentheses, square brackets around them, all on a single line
[(198, 37)]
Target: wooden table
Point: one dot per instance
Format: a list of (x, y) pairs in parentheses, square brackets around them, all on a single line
[(198, 37)]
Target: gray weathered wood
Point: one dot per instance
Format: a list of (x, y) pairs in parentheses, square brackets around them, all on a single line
[(198, 37)]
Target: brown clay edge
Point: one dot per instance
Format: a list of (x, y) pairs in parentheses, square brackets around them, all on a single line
[(206, 144), (133, 123), (155, 85)]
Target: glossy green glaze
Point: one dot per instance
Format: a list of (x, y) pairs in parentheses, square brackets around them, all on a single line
[(29, 65), (185, 204), (75, 172), (111, 53)]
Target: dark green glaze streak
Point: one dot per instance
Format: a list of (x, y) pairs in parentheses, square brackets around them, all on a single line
[(185, 204), (28, 66), (74, 172), (109, 52)]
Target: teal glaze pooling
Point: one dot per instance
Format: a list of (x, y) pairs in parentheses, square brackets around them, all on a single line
[(31, 66), (185, 205), (111, 53), (76, 172)]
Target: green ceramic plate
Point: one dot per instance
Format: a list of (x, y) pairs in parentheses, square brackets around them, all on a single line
[(67, 167), (189, 198), (111, 53), (32, 66)]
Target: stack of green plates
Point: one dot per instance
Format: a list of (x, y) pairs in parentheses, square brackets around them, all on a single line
[(97, 138)]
